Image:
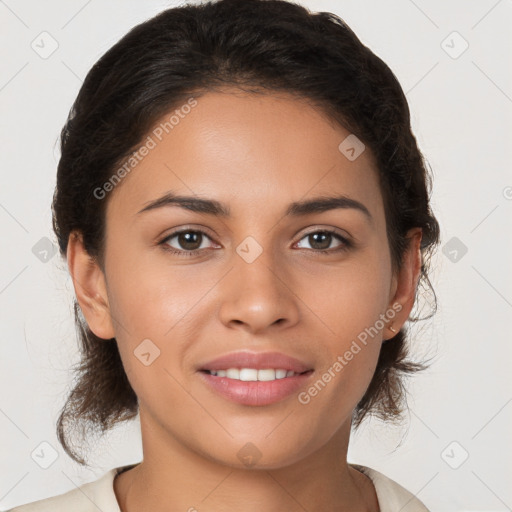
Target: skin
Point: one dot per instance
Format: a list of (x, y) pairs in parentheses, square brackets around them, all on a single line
[(255, 154)]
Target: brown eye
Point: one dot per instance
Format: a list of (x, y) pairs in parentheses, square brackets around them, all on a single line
[(320, 241), (186, 241)]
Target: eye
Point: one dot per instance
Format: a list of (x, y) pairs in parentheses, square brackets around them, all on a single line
[(320, 241), (189, 242)]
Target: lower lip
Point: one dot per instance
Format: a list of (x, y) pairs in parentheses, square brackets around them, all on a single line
[(256, 392)]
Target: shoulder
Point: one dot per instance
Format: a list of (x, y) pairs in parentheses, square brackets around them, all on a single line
[(89, 497), (391, 495)]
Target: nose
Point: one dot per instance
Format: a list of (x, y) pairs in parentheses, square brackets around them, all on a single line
[(258, 296)]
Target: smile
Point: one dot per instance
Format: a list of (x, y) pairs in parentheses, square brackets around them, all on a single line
[(252, 374)]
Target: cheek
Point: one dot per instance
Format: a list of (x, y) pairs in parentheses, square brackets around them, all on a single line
[(350, 311), (349, 298), (349, 303), (155, 309), (150, 316), (148, 298)]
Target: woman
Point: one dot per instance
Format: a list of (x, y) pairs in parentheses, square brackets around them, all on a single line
[(245, 216)]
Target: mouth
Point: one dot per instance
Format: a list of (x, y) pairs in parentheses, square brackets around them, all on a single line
[(255, 379)]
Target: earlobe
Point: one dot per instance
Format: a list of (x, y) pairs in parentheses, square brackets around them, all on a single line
[(90, 287), (406, 281)]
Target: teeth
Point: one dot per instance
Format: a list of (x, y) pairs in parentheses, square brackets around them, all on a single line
[(233, 373), (251, 374)]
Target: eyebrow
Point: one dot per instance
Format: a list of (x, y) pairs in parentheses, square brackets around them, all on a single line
[(296, 209)]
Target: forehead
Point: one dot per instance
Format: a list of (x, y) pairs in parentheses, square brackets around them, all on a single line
[(247, 149)]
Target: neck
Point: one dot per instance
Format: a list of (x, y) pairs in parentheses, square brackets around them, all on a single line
[(172, 477)]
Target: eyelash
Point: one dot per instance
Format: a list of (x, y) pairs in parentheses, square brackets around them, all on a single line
[(346, 244)]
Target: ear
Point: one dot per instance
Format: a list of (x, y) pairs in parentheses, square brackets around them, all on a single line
[(90, 287), (405, 282)]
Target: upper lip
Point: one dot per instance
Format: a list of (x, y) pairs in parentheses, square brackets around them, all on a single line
[(258, 361)]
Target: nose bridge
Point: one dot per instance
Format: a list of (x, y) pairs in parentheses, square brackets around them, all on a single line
[(256, 294)]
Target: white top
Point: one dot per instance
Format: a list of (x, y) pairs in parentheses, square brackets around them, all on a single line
[(99, 495)]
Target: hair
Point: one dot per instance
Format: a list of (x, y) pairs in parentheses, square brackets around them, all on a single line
[(265, 46)]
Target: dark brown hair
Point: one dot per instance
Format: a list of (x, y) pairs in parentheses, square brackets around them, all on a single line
[(255, 45)]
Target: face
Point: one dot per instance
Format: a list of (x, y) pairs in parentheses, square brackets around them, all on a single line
[(185, 284)]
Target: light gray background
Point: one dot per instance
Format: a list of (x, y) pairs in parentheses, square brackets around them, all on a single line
[(461, 113)]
